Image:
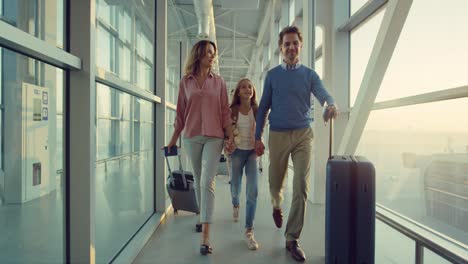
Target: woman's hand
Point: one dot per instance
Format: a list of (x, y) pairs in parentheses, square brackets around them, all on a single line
[(170, 145), (229, 146)]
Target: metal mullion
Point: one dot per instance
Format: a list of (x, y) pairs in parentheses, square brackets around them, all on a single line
[(109, 28), (366, 11), (24, 43), (109, 79), (419, 253), (108, 118), (171, 106), (447, 94)]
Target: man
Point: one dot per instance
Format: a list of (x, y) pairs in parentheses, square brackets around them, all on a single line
[(287, 92)]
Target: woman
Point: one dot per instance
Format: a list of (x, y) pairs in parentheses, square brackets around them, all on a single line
[(203, 113), (243, 111)]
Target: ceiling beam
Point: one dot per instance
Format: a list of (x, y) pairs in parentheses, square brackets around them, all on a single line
[(236, 32), (261, 33)]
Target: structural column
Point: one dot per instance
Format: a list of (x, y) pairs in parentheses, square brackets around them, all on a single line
[(160, 83), (80, 134)]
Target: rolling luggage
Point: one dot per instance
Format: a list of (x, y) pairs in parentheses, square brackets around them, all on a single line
[(180, 186), (350, 210), (223, 166)]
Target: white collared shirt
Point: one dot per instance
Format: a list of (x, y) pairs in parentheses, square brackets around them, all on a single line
[(286, 66)]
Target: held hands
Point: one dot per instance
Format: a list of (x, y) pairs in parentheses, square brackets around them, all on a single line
[(229, 146), (259, 148), (330, 112)]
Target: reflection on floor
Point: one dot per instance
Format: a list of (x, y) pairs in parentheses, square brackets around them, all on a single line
[(32, 232), (176, 242)]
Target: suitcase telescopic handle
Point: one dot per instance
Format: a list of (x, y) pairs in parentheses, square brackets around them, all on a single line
[(330, 146), (184, 180)]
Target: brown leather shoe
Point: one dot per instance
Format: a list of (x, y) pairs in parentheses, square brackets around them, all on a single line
[(278, 217), (296, 251)]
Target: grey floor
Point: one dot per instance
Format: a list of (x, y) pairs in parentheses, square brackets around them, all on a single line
[(175, 241)]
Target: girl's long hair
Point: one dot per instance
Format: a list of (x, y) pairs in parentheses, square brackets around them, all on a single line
[(192, 65), (236, 97)]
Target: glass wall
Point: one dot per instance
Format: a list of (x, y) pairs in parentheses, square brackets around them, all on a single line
[(31, 133), (421, 151), (431, 53), (31, 189), (392, 246), (423, 163), (178, 45), (124, 169), (125, 127)]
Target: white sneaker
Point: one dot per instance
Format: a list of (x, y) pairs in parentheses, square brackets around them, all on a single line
[(235, 214), (250, 239)]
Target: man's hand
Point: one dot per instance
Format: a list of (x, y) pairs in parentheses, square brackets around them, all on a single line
[(330, 112), (259, 148)]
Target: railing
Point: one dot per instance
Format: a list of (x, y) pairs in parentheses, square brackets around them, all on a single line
[(119, 158), (424, 237)]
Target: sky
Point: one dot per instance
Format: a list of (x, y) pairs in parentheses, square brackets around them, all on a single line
[(431, 55)]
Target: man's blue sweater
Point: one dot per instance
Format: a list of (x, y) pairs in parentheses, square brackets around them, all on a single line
[(288, 93)]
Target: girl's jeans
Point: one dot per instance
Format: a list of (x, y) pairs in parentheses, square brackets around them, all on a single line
[(247, 159)]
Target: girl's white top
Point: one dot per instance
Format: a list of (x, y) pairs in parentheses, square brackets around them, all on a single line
[(246, 127)]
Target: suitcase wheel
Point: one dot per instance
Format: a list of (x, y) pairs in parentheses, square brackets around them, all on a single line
[(176, 211)]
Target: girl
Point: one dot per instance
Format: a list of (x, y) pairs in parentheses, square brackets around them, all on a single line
[(203, 113), (243, 111)]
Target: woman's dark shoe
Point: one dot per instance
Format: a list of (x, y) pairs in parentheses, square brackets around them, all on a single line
[(198, 228), (205, 249)]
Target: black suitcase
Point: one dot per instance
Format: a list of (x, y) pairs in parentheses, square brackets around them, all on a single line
[(350, 210), (180, 186)]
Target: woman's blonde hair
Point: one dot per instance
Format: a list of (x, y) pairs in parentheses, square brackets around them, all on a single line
[(192, 66), (236, 97)]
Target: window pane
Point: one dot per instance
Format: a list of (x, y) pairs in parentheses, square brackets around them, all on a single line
[(125, 37), (104, 46), (170, 120), (124, 169), (421, 160), (392, 246), (42, 19), (362, 41), (432, 258), (319, 67), (125, 63), (355, 5), (31, 190), (431, 53), (175, 42), (318, 36)]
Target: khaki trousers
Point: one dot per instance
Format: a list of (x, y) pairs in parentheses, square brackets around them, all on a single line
[(298, 145)]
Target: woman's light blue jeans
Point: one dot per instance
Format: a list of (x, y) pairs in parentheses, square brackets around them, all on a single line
[(204, 153), (247, 159)]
